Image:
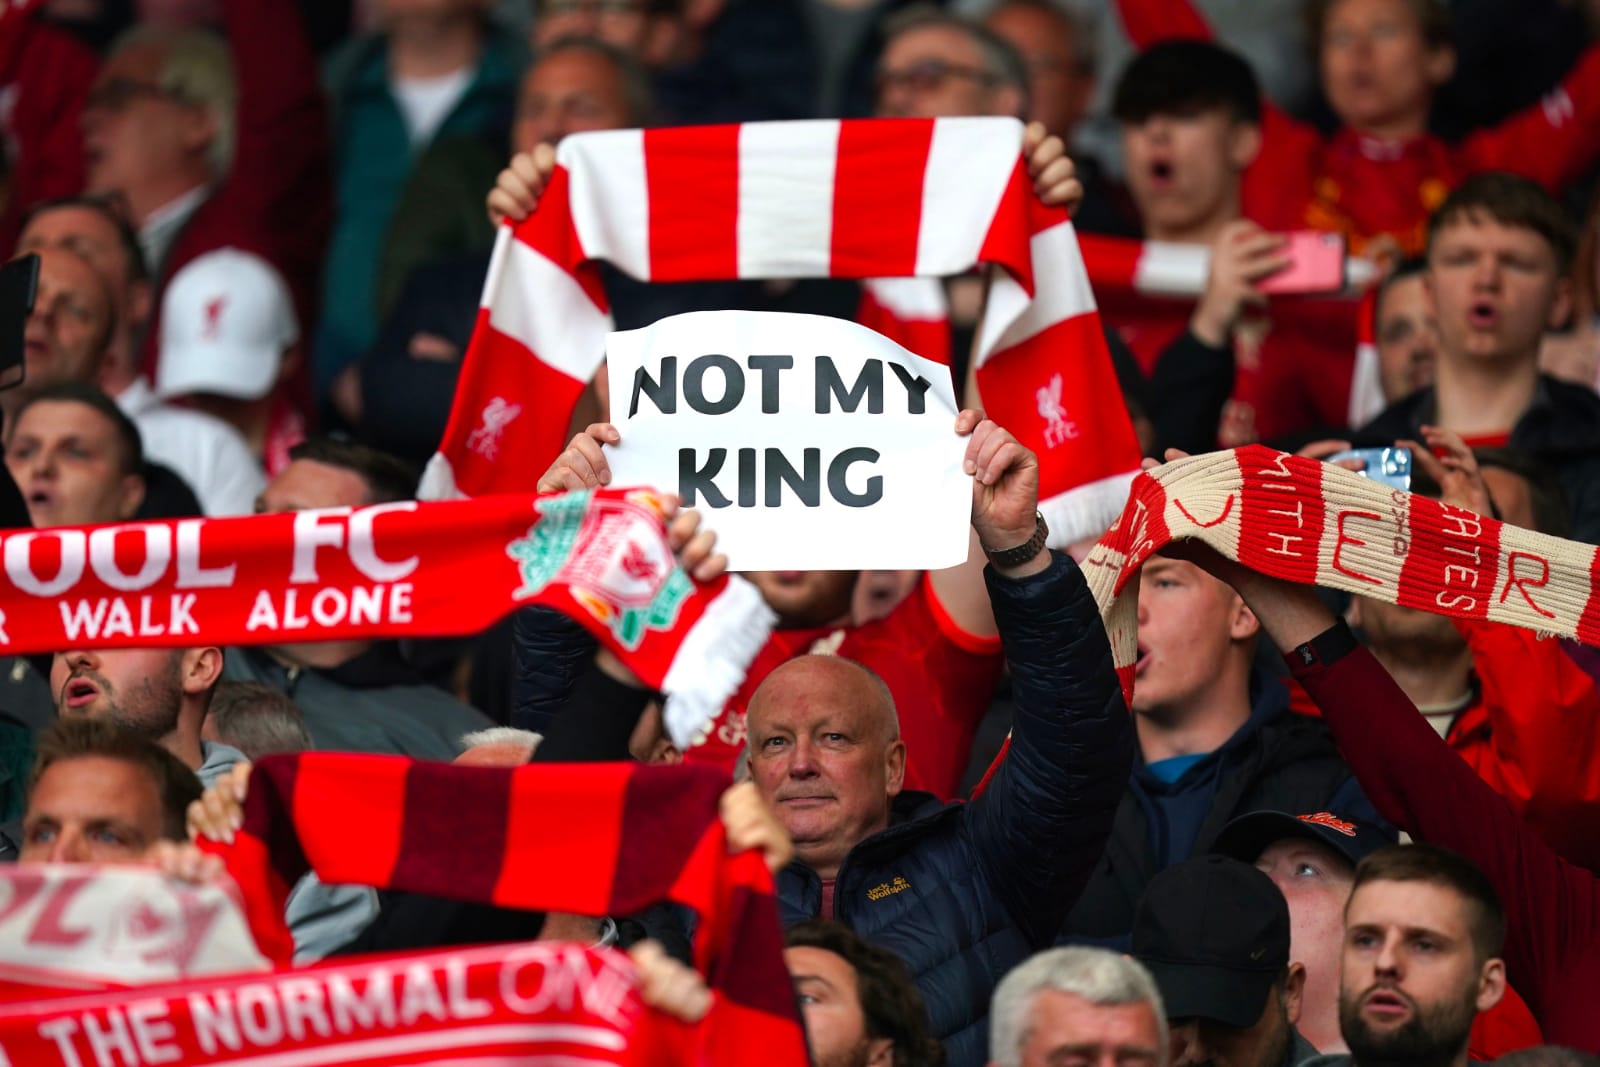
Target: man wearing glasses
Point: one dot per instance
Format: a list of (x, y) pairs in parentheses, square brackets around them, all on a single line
[(938, 66)]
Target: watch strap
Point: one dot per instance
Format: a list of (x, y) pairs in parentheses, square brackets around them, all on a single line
[(1020, 554)]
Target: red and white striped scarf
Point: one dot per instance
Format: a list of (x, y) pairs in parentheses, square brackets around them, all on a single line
[(850, 199)]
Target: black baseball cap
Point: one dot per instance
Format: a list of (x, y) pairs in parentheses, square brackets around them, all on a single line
[(1214, 933), (1247, 836)]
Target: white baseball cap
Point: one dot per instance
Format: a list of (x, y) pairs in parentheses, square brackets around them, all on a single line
[(226, 320)]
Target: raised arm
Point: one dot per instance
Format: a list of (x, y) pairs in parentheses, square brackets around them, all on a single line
[(1555, 141), (1039, 827), (1420, 785), (1149, 21)]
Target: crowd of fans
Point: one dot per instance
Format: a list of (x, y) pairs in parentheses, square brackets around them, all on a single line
[(1330, 831)]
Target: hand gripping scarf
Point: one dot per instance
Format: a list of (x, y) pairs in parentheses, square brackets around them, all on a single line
[(846, 199), (1307, 521), (594, 839), (391, 570)]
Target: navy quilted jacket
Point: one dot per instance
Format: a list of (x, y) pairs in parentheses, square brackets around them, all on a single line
[(965, 892)]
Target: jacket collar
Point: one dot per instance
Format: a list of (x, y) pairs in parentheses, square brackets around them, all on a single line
[(1269, 701)]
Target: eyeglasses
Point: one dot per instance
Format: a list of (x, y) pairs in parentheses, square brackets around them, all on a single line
[(926, 75), (115, 94)]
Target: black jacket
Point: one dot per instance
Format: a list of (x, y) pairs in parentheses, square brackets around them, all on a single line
[(1561, 428), (1278, 761), (965, 892)]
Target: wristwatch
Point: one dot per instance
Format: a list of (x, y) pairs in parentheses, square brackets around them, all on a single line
[(1020, 554)]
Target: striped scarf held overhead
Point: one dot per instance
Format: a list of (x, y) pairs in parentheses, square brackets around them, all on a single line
[(1310, 522), (593, 839), (849, 199)]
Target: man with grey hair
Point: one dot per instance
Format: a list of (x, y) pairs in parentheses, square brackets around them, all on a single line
[(937, 65), (213, 144), (1086, 1005), (498, 746)]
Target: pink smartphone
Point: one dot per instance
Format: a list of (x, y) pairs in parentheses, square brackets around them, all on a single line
[(1316, 264)]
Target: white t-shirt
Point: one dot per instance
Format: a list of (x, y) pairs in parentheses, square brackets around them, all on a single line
[(425, 102), (203, 450)]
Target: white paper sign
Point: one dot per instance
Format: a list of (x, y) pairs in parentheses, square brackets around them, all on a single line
[(806, 442)]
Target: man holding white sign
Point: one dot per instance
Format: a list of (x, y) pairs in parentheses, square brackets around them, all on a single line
[(809, 442), (938, 650)]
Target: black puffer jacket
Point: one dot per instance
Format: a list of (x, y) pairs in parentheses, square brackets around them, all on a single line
[(1278, 761), (965, 892)]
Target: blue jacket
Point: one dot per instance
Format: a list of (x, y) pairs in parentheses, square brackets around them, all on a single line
[(965, 892)]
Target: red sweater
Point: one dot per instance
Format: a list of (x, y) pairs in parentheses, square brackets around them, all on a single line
[(1415, 781), (1532, 735), (1292, 369), (1362, 187), (941, 677), (45, 73)]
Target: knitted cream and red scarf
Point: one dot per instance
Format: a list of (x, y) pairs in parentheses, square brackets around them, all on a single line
[(849, 199), (593, 839), (1314, 523), (390, 570)]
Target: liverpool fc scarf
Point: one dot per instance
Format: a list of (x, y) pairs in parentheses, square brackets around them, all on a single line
[(850, 199), (538, 1005), (390, 570), (1307, 521)]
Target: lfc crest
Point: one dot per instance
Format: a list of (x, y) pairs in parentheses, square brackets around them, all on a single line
[(612, 554)]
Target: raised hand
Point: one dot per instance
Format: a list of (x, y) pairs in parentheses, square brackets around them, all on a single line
[(668, 986), (517, 189), (220, 810), (582, 465), (1460, 482), (1055, 178), (183, 861), (1241, 256), (751, 824), (1005, 483)]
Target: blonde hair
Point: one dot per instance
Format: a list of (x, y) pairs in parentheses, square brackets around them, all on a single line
[(196, 68)]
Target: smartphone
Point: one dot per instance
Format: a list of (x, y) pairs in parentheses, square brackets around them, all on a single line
[(1316, 265), (1391, 466), (19, 283)]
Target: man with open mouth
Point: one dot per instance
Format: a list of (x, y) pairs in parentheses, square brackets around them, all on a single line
[(1423, 935)]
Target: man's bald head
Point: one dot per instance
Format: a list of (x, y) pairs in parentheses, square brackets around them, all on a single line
[(826, 753), (831, 678)]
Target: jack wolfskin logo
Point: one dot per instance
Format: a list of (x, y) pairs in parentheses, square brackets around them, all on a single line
[(888, 889)]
